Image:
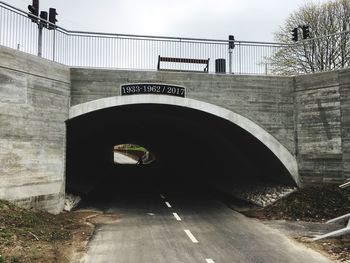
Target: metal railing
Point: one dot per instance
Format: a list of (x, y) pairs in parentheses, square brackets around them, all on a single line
[(121, 51), (344, 218)]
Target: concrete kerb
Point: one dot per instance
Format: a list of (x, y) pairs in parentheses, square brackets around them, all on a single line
[(287, 159)]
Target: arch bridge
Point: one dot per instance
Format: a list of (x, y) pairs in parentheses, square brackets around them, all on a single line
[(60, 124)]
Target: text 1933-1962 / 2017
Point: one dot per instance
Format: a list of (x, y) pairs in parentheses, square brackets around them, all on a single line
[(149, 88)]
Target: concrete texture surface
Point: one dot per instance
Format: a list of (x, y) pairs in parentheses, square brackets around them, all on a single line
[(321, 121), (345, 119), (34, 97), (266, 100)]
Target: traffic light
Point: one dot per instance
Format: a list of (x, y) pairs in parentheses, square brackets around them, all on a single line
[(295, 34), (231, 43), (306, 32), (34, 11), (52, 17), (43, 20)]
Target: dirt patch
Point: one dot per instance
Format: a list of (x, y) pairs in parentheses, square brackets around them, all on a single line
[(103, 219), (312, 204), (37, 236), (315, 204), (337, 249)]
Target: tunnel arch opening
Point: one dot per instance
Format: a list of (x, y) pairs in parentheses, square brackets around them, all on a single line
[(194, 142)]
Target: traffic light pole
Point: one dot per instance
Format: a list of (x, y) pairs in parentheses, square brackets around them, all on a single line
[(54, 46), (43, 22), (231, 46), (40, 39), (230, 60)]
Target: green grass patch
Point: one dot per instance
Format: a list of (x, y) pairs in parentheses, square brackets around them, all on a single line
[(131, 147)]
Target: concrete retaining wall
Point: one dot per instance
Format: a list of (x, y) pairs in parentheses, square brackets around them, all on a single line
[(344, 77), (34, 103), (322, 120)]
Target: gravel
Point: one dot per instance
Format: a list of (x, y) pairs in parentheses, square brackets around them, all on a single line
[(263, 195)]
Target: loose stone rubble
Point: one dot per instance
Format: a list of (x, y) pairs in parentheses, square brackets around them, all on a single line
[(263, 195), (70, 202)]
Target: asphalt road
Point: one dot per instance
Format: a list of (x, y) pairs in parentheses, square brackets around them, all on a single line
[(161, 227)]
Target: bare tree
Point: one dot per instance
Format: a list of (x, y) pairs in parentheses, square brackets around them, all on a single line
[(329, 44)]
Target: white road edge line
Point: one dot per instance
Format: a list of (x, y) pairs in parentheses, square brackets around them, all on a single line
[(189, 234), (177, 216), (162, 196), (167, 204), (209, 260)]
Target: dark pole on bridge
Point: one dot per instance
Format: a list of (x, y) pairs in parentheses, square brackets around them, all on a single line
[(33, 15), (42, 21), (231, 46)]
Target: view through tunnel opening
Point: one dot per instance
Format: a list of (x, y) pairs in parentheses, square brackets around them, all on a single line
[(132, 154), (186, 151)]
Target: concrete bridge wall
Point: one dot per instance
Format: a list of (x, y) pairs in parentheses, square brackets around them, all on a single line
[(345, 119), (266, 100), (309, 115), (322, 119), (34, 103)]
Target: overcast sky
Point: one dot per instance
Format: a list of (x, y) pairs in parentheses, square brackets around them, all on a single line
[(252, 20)]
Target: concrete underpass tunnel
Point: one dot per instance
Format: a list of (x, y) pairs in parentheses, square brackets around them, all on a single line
[(193, 151)]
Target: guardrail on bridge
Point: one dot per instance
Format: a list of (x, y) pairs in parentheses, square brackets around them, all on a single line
[(137, 52)]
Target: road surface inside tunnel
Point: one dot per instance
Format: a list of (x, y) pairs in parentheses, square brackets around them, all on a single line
[(166, 210), (161, 224)]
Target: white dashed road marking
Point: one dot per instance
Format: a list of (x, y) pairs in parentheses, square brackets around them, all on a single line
[(167, 204), (189, 234), (177, 216), (209, 260), (162, 196)]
